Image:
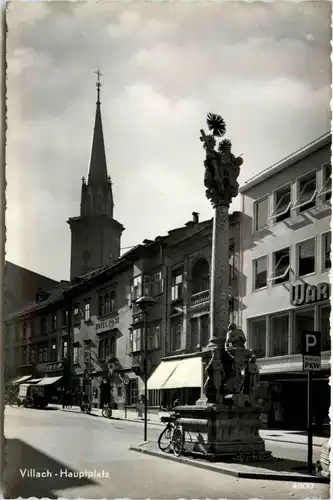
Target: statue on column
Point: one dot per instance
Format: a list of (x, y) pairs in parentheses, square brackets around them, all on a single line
[(221, 166), (235, 337)]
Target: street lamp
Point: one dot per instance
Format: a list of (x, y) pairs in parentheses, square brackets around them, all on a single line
[(144, 302)]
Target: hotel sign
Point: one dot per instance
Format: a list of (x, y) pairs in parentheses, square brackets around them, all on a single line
[(303, 293), (108, 324)]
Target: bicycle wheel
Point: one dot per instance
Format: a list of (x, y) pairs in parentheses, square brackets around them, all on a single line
[(105, 412), (164, 440), (177, 441)]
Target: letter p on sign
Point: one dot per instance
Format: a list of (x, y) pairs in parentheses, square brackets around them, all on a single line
[(311, 343)]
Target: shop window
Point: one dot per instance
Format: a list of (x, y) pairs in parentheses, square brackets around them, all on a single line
[(200, 276), (258, 337), (306, 257), (306, 192), (261, 214), (53, 352), (325, 328), (154, 336), (282, 204), (87, 311), (205, 329), (281, 266), (326, 250), (280, 329), (177, 285), (194, 325), (326, 191), (260, 272), (304, 320), (176, 333)]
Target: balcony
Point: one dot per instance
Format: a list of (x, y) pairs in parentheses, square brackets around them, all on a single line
[(200, 298)]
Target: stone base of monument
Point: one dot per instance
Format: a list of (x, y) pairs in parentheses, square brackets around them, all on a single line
[(223, 431)]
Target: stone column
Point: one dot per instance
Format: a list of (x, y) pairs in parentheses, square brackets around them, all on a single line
[(219, 278)]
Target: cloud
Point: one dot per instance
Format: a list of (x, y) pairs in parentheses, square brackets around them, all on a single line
[(264, 66)]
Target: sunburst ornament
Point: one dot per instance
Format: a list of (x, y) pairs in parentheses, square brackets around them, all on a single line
[(216, 124), (224, 146)]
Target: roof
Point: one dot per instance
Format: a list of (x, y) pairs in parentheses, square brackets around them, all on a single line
[(288, 161), (52, 297)]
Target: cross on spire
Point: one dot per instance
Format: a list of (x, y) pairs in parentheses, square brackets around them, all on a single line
[(98, 84)]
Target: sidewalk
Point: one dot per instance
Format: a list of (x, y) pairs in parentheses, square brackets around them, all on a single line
[(154, 419)]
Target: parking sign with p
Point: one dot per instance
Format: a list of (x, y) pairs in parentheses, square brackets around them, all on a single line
[(311, 350)]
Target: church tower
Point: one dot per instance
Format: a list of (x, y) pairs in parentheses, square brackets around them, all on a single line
[(95, 233)]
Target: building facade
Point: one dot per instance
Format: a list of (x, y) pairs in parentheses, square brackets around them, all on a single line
[(177, 371), (285, 256)]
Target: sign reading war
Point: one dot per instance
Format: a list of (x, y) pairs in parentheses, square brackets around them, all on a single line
[(311, 350), (303, 293)]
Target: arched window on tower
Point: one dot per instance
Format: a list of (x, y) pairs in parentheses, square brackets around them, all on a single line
[(200, 276)]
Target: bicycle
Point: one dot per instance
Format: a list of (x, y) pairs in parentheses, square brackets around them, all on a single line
[(174, 434), (107, 411)]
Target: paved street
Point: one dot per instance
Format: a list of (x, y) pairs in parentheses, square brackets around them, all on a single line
[(65, 443)]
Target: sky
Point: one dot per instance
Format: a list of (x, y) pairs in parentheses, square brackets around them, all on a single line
[(264, 66)]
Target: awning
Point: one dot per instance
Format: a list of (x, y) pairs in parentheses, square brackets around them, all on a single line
[(188, 373), (49, 380), (162, 373), (34, 380), (21, 379)]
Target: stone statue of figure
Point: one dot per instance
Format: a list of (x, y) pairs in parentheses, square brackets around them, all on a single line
[(251, 377), (235, 337), (222, 168), (215, 375)]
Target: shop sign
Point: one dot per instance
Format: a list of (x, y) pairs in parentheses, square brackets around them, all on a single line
[(108, 324), (303, 293), (54, 367), (311, 350)]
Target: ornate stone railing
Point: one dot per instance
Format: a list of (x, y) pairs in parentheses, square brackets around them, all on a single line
[(200, 298)]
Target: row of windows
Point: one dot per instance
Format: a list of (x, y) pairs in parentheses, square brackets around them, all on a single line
[(153, 338), (311, 190), (43, 353), (306, 262), (285, 331)]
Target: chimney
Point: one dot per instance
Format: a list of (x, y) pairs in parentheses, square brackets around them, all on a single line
[(195, 218)]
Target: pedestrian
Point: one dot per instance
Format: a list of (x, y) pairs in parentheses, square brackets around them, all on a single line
[(176, 403)]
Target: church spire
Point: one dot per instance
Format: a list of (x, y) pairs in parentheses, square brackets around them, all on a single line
[(98, 174)]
